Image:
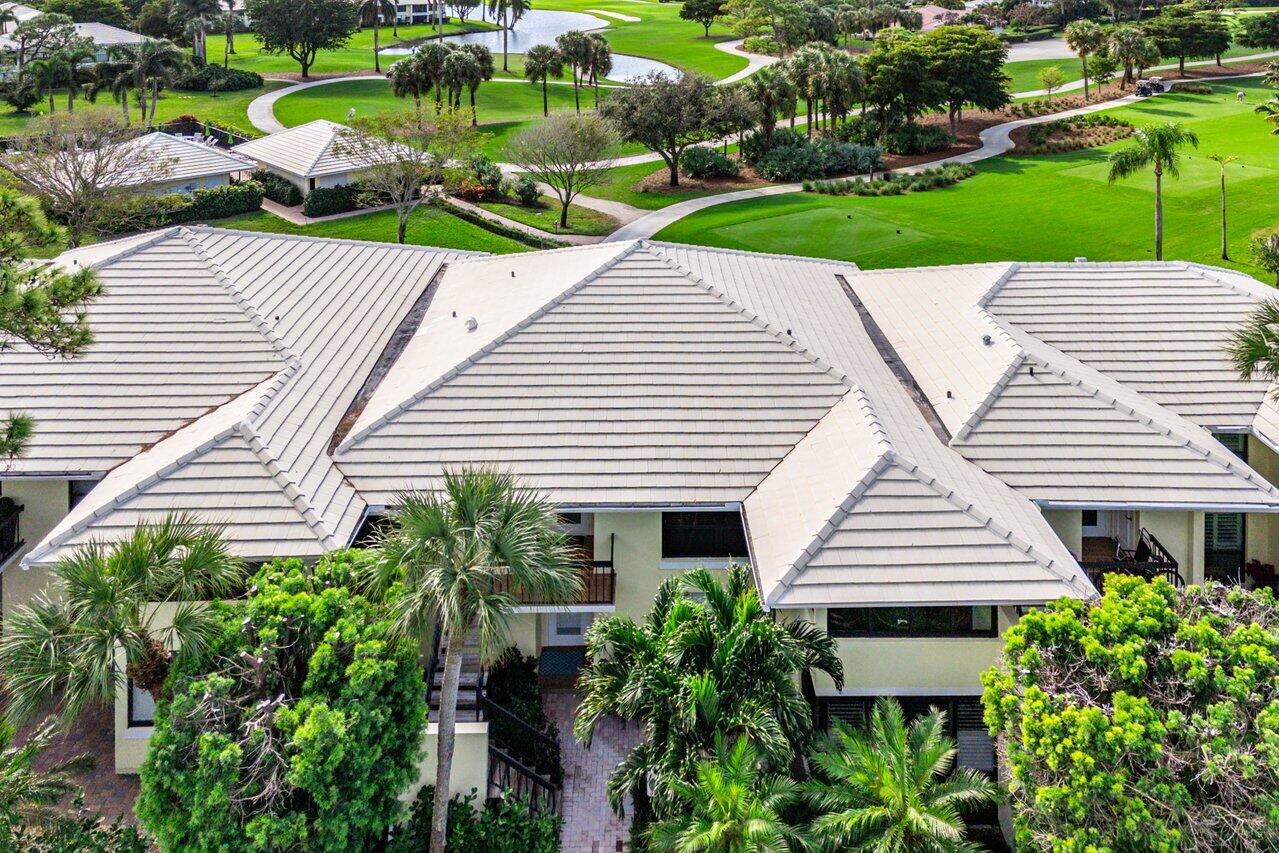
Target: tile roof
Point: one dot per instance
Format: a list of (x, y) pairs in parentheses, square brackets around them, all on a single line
[(190, 159), (307, 151)]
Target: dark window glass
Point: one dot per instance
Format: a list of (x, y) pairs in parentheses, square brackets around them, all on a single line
[(1090, 518), (569, 518), (712, 535), (912, 622), (77, 489), (141, 706), (1235, 442)]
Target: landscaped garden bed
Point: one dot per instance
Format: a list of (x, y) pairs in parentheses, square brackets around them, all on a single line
[(545, 215), (1070, 134)]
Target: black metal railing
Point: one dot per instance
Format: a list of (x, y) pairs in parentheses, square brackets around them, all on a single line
[(1149, 559), (508, 774), (10, 540), (599, 583), (432, 663)]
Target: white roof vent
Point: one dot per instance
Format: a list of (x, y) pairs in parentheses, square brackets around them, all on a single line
[(1081, 260), (472, 324)]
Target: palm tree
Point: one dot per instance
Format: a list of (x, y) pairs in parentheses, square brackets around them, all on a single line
[(731, 807), (1271, 77), (1254, 347), (460, 557), (575, 50), (406, 80), (1085, 38), (459, 69), (429, 62), (1156, 146), (1126, 44), (6, 17), (484, 63), (152, 63), (599, 62), (1270, 109), (510, 12), (229, 21), (63, 644), (773, 93), (113, 77), (543, 61), (195, 12), (67, 61), (894, 787), (43, 74), (695, 669), (28, 796), (1222, 161), (377, 7)]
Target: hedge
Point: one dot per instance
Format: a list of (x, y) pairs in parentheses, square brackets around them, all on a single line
[(326, 201), (496, 227), (215, 78), (218, 203), (278, 189), (896, 184)]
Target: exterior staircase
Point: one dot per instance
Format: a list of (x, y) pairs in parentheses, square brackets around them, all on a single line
[(470, 686)]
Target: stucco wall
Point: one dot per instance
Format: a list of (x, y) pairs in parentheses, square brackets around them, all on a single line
[(521, 631), (1068, 524), (1182, 533), (1261, 530), (913, 666), (470, 761), (44, 504), (637, 557)]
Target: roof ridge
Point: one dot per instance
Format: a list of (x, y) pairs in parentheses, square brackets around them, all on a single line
[(324, 149), (355, 438), (1225, 459), (984, 407), (1207, 272), (781, 256), (157, 236), (790, 341), (287, 483), (258, 321), (308, 238), (973, 511), (985, 298)]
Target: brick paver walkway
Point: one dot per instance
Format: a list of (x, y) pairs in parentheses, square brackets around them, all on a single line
[(589, 823), (93, 732)]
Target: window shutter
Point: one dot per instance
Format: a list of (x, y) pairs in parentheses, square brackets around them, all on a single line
[(976, 748)]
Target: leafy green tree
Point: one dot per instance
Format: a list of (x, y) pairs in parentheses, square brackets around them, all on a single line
[(1183, 32), (732, 806), (1051, 79), (697, 670), (1156, 147), (664, 115), (101, 600), (894, 787), (1085, 38), (111, 12), (568, 153), (969, 61), (1260, 31), (703, 11), (303, 28), (458, 559), (1265, 251), (40, 306), (40, 36), (1147, 720), (1104, 67), (901, 83), (541, 62), (300, 726)]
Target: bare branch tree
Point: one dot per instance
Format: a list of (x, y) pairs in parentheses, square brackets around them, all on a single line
[(569, 153), (88, 170), (399, 156)]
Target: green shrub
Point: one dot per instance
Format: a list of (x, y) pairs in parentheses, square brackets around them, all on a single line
[(87, 832), (526, 191), (485, 180), (848, 158), (1148, 720), (911, 139), (701, 161), (766, 45), (896, 184), (20, 94), (215, 78), (279, 190), (1192, 88), (218, 203), (298, 730), (512, 684), (504, 825), (326, 201)]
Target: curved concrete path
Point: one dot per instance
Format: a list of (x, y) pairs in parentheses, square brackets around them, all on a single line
[(994, 141), (1075, 85), (754, 61), (262, 108)]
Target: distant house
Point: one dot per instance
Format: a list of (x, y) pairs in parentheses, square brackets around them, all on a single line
[(938, 16), (103, 36), (307, 155), (188, 165)]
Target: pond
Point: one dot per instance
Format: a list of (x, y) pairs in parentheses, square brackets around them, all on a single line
[(541, 27)]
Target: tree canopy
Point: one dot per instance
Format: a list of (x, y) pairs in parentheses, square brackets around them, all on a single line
[(664, 115), (1260, 31), (298, 730), (303, 28), (1148, 720), (969, 62)]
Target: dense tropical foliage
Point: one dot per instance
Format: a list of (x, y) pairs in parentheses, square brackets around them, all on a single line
[(297, 729), (1145, 721)]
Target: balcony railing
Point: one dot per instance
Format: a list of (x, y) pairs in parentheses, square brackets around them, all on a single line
[(599, 583), (1149, 559), (10, 541)]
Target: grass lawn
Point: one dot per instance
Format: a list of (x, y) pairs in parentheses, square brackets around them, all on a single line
[(659, 34), (356, 56), (428, 226), (504, 109), (622, 178), (225, 108), (581, 220), (1035, 208), (1025, 74)]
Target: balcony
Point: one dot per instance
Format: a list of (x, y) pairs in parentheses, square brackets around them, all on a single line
[(598, 581), (10, 541), (1104, 556)]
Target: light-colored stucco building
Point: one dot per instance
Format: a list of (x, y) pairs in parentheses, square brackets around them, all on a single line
[(309, 155), (908, 458), (103, 36)]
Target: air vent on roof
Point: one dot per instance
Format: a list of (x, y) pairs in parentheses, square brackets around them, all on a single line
[(472, 324), (1081, 260), (987, 340)]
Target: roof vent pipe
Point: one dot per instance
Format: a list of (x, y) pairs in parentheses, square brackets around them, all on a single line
[(472, 324), (987, 340)]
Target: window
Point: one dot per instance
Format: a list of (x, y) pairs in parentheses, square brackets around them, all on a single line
[(702, 536), (980, 621), (1235, 442), (76, 490), (964, 722), (141, 706), (1090, 518)]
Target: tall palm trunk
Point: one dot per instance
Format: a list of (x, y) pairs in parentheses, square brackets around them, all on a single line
[(577, 101), (475, 121), (1224, 252), (377, 57), (506, 28), (124, 109), (546, 109), (447, 733), (1159, 212), (155, 99), (230, 38)]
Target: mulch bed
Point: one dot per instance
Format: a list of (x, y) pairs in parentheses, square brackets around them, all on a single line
[(1070, 139), (660, 182)]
